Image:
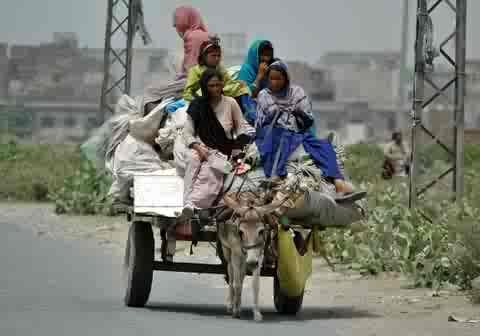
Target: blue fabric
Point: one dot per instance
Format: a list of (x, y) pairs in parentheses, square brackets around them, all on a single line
[(172, 107), (320, 150), (313, 129), (249, 69), (249, 108), (281, 66)]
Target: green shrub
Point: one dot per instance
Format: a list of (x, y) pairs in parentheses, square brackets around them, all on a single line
[(84, 192), (430, 253), (32, 170), (446, 250), (364, 162)]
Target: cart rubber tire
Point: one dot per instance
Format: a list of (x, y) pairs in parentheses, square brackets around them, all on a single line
[(138, 264), (284, 304)]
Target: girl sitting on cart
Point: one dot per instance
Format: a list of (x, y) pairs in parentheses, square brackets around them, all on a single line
[(252, 72), (213, 121), (284, 117), (210, 55)]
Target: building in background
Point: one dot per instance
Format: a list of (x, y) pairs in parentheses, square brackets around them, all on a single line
[(315, 81), (234, 48), (150, 66), (53, 71), (366, 89), (53, 91), (369, 76), (54, 87)]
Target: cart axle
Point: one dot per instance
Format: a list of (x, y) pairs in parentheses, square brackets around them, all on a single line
[(201, 268)]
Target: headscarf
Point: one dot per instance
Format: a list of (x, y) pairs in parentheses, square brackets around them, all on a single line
[(189, 23), (205, 122), (248, 71), (282, 68), (187, 18), (291, 99)]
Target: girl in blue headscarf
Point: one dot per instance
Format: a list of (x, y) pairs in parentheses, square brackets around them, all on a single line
[(284, 116), (252, 72)]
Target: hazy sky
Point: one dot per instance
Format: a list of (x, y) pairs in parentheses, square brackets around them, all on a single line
[(300, 29)]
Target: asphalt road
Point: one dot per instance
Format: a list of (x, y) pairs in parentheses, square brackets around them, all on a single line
[(58, 287), (55, 287)]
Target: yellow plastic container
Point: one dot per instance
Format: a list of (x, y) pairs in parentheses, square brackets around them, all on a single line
[(293, 269)]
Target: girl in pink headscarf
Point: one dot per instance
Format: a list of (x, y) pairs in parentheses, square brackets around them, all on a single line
[(189, 25)]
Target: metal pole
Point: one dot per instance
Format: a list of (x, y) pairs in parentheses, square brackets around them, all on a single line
[(122, 25), (403, 55), (130, 34), (106, 61), (419, 83), (460, 55)]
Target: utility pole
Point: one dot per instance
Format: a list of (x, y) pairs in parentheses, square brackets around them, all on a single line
[(124, 19), (424, 56), (118, 27), (403, 55)]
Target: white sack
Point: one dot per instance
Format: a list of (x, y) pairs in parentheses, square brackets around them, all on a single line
[(132, 156)]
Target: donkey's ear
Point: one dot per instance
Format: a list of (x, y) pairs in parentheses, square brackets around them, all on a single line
[(269, 208), (231, 202)]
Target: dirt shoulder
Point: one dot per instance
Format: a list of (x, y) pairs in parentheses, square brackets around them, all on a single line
[(341, 294)]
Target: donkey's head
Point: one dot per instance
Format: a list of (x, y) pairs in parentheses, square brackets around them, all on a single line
[(251, 228)]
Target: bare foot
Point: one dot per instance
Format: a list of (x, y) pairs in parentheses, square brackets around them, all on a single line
[(343, 187), (257, 316)]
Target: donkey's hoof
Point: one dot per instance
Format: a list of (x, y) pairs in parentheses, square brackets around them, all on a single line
[(229, 309), (257, 316), (236, 313)]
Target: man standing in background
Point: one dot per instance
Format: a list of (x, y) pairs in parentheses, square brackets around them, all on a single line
[(396, 157)]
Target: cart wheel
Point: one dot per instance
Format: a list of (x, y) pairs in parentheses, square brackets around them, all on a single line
[(138, 264), (284, 304)]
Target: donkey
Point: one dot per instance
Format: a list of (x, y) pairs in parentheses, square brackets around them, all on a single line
[(243, 240)]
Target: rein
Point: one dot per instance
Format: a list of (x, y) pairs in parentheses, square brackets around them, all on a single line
[(253, 246)]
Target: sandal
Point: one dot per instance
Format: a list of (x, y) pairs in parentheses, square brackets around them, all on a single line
[(350, 197)]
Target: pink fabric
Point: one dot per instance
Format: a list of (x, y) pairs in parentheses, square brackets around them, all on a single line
[(189, 23), (206, 183)]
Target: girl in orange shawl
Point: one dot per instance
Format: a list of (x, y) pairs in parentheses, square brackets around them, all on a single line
[(190, 27)]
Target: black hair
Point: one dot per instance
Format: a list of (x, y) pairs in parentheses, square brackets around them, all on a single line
[(207, 75), (396, 134), (213, 43), (265, 45)]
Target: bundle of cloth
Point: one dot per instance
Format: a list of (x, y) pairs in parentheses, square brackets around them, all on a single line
[(141, 137), (126, 143)]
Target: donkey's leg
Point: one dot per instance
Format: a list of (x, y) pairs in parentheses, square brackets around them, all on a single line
[(257, 315), (237, 280), (230, 292)]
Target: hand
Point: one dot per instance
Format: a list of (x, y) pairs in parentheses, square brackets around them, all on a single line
[(262, 69), (242, 84), (202, 151)]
